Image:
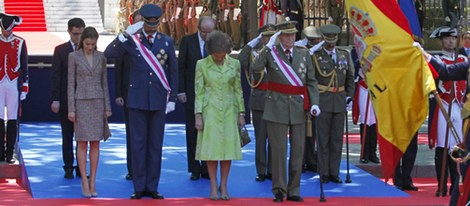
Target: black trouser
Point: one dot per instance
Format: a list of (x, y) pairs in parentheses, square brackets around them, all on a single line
[(67, 139), (450, 167), (12, 132), (370, 141), (196, 167), (405, 166)]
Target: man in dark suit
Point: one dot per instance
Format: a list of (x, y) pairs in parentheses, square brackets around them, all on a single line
[(121, 81), (465, 49), (59, 92), (151, 95), (191, 50)]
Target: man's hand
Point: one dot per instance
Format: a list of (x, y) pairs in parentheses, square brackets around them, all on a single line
[(349, 103), (170, 106), (182, 98), (272, 40), (315, 110), (55, 106), (119, 101), (255, 41)]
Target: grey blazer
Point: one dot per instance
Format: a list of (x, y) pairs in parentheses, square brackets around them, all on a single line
[(87, 81)]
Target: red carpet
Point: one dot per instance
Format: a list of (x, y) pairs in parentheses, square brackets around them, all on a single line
[(32, 12), (354, 138), (12, 194)]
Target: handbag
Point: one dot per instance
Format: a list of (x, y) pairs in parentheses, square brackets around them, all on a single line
[(244, 136)]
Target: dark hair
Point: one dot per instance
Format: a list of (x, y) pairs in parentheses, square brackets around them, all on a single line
[(134, 14), (218, 41), (75, 22), (88, 33)]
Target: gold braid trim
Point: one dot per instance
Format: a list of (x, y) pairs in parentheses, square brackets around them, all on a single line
[(332, 74), (247, 75)]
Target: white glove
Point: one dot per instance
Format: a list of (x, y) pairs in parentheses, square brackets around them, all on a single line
[(255, 41), (316, 47), (302, 42), (272, 40), (330, 19), (426, 55), (349, 103), (315, 110), (170, 106), (23, 95), (132, 29), (236, 12), (226, 14)]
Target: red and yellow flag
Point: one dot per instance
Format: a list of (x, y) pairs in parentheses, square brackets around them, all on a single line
[(397, 74)]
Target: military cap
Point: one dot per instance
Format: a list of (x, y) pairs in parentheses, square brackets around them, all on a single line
[(311, 32), (150, 14), (287, 27), (330, 32), (268, 30), (8, 21), (443, 31)]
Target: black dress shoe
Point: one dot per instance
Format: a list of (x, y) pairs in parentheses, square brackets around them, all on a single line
[(324, 179), (128, 176), (409, 187), (269, 176), (10, 160), (260, 178), (194, 177), (335, 179), (295, 198), (311, 168), (375, 160), (364, 161), (278, 197), (136, 195), (443, 194), (205, 176), (155, 195)]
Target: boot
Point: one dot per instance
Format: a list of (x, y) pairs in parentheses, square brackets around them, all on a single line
[(373, 144), (2, 140), (365, 144), (68, 172), (12, 129)]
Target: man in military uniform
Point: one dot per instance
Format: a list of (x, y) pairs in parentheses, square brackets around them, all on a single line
[(259, 86), (335, 75), (335, 9), (153, 83), (312, 37), (292, 91), (234, 11)]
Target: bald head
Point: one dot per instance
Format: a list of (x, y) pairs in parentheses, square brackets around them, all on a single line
[(206, 25)]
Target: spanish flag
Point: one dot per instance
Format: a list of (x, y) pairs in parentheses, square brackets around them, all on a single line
[(398, 76)]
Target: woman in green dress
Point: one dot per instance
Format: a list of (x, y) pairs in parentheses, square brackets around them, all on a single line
[(219, 110)]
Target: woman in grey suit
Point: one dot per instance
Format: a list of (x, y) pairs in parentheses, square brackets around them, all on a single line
[(88, 103)]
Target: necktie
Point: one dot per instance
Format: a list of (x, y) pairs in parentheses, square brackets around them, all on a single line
[(332, 57), (289, 57), (75, 46), (150, 39)]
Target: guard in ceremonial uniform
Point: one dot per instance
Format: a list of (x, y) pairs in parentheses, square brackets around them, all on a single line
[(438, 124), (335, 75), (13, 82), (153, 83), (294, 9), (258, 83), (364, 114), (292, 91)]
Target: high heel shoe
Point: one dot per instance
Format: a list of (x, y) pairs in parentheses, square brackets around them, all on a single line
[(94, 194), (86, 193), (215, 198), (223, 197)]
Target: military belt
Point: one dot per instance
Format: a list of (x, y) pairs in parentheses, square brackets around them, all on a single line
[(330, 89)]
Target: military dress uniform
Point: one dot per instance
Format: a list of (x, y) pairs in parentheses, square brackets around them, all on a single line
[(150, 95), (335, 75), (258, 83), (13, 83), (285, 112)]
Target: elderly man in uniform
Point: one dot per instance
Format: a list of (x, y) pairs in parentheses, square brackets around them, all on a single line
[(259, 86), (335, 75), (292, 91), (151, 95), (13, 82)]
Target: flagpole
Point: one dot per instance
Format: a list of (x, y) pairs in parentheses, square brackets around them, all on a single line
[(364, 128)]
